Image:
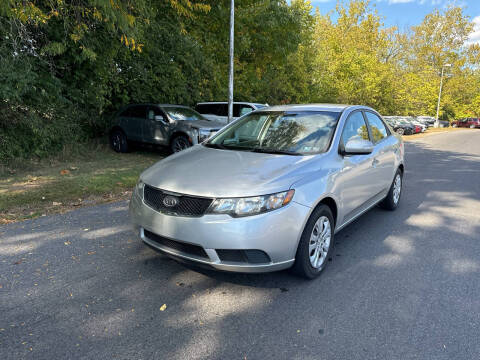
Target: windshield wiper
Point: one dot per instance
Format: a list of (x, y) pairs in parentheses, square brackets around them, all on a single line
[(214, 146), (276, 151), (227, 147)]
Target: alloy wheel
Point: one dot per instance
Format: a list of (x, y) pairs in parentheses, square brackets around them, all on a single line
[(117, 142), (180, 144), (320, 242), (397, 188)]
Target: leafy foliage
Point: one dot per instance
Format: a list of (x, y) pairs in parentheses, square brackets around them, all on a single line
[(65, 66)]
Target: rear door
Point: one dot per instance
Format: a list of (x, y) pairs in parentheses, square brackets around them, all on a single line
[(135, 121), (383, 156)]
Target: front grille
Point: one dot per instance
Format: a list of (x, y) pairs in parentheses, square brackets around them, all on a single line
[(176, 245), (186, 205)]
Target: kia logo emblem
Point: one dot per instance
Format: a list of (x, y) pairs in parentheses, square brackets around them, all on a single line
[(170, 201)]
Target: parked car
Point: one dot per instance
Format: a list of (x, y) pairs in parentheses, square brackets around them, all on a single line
[(399, 126), (412, 120), (471, 123), (417, 128), (175, 126), (427, 120), (269, 191), (218, 111), (443, 123)]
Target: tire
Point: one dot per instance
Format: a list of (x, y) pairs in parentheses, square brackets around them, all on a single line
[(400, 131), (179, 143), (118, 141), (323, 245), (454, 125), (393, 197), (472, 126)]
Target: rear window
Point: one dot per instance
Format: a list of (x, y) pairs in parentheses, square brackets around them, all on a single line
[(212, 109), (138, 111)]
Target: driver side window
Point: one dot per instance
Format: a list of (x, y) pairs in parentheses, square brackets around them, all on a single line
[(355, 128)]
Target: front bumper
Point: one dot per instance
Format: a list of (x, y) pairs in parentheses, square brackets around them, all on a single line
[(275, 233)]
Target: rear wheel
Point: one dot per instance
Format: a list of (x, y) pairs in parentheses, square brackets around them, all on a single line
[(118, 141), (316, 244), (400, 131), (179, 143), (393, 197)]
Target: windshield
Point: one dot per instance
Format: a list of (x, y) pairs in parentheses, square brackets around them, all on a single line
[(182, 113), (299, 133)]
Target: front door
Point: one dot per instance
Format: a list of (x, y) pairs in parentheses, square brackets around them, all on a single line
[(354, 179), (156, 129)]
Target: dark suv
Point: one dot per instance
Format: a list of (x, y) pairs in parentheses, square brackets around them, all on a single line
[(175, 126)]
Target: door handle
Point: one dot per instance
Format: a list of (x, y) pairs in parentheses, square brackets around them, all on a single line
[(375, 162)]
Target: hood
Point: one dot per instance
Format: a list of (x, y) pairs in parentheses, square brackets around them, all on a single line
[(211, 172), (202, 124)]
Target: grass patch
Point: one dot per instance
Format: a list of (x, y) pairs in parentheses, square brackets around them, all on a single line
[(89, 174)]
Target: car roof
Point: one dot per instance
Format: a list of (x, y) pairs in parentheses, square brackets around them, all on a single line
[(173, 105), (311, 107), (235, 102), (161, 105)]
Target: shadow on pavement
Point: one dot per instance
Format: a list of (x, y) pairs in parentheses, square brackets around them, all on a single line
[(82, 285)]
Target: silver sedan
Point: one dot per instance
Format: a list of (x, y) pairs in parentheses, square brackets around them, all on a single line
[(270, 190)]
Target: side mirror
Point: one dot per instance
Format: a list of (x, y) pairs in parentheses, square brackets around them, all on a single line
[(160, 118), (358, 147)]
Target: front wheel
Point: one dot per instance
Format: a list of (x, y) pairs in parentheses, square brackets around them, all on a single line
[(179, 143), (316, 244), (400, 131), (393, 197)]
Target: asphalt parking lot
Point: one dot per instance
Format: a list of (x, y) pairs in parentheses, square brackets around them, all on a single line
[(400, 285)]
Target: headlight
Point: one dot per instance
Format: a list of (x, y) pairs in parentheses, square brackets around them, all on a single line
[(254, 205), (203, 134), (139, 188)]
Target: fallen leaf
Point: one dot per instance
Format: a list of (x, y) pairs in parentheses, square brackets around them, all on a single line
[(17, 262), (64, 172), (56, 203), (91, 252), (163, 307), (67, 242), (73, 168)]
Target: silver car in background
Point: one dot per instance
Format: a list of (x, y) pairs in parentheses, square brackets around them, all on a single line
[(270, 190)]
